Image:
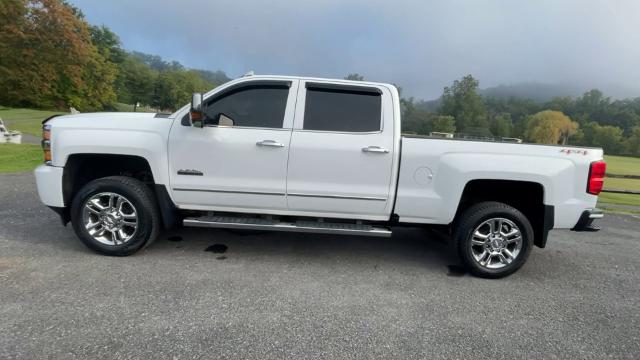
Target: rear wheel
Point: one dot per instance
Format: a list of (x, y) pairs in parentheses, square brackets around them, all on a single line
[(493, 239), (115, 215)]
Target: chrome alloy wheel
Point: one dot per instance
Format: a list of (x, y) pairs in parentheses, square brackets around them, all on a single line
[(496, 243), (110, 218)]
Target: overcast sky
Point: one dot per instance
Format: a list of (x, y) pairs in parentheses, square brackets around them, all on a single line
[(420, 45)]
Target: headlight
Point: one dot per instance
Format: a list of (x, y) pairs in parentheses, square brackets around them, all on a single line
[(46, 143)]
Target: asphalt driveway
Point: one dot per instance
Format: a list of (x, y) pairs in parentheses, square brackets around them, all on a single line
[(199, 293)]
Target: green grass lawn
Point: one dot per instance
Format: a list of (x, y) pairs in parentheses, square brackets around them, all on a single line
[(618, 199), (28, 121), (19, 157), (623, 165), (624, 184)]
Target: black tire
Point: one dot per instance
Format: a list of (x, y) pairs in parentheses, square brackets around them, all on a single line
[(473, 217), (138, 194)]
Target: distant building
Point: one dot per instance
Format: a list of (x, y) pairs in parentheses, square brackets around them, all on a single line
[(441, 134)]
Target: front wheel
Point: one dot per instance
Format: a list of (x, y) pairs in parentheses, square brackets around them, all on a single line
[(116, 215), (493, 239)]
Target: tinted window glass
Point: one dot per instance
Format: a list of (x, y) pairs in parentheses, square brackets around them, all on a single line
[(342, 110), (253, 106)]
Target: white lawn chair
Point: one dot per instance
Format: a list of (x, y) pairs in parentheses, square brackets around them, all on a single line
[(6, 136)]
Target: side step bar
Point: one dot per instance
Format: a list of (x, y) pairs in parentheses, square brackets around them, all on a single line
[(230, 222)]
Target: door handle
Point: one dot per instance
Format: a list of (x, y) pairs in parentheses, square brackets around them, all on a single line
[(375, 149), (271, 143)]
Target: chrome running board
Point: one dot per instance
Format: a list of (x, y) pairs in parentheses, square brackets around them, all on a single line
[(230, 222)]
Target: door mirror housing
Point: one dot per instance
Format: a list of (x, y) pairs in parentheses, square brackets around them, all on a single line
[(196, 113)]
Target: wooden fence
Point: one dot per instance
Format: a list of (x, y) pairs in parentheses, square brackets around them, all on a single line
[(622, 191)]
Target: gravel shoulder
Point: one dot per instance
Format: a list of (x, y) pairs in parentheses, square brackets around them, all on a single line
[(285, 295)]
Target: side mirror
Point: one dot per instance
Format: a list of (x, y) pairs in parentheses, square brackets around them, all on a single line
[(196, 113)]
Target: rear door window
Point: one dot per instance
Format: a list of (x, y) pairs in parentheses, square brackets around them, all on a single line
[(342, 109)]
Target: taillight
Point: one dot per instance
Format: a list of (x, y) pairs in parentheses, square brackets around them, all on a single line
[(596, 177), (46, 143)]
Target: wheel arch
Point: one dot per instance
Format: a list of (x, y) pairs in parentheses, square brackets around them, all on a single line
[(82, 168), (526, 196)]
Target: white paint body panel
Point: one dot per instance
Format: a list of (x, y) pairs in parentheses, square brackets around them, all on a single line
[(237, 173), (49, 185), (453, 163), (139, 134), (328, 171), (429, 174)]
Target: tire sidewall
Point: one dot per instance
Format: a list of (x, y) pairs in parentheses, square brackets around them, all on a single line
[(145, 221), (482, 214)]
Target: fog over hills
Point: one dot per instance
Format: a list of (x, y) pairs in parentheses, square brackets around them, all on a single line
[(542, 92)]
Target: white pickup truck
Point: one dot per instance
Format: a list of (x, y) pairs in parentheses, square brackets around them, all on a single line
[(309, 155)]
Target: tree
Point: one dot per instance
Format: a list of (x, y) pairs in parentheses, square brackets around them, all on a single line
[(633, 142), (98, 77), (549, 127), (135, 82), (622, 116), (173, 88), (463, 102), (565, 104), (592, 105), (609, 138), (354, 76), (156, 62), (501, 125), (47, 58), (414, 120), (443, 123), (108, 43), (518, 109)]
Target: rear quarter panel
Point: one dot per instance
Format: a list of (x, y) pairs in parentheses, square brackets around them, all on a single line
[(434, 173)]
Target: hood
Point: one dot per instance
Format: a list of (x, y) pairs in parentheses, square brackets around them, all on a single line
[(112, 120)]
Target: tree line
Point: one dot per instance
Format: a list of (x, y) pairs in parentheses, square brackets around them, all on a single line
[(51, 57), (592, 119)]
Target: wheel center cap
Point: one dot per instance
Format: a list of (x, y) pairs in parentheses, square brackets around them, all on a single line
[(111, 220), (496, 243)]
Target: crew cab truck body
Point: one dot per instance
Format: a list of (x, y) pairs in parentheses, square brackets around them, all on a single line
[(309, 155)]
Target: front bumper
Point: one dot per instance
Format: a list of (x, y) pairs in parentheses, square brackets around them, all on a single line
[(49, 184), (585, 223)]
